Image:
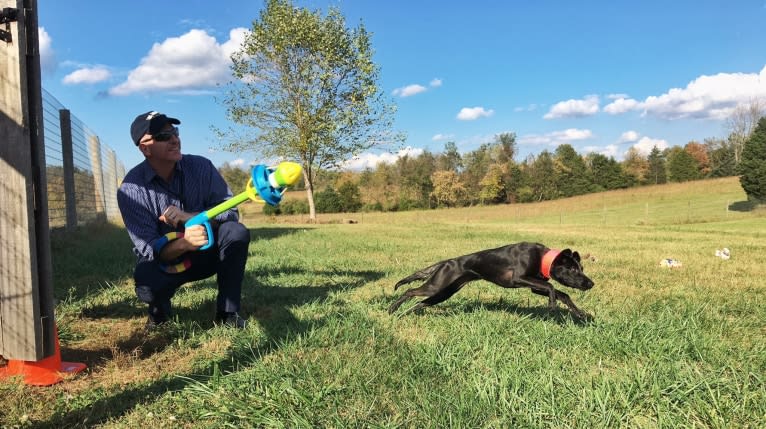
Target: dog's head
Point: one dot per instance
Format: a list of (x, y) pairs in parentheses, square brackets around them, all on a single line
[(567, 270)]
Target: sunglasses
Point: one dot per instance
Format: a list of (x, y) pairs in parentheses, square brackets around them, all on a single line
[(164, 136)]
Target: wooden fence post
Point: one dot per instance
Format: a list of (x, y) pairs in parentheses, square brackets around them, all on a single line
[(67, 153), (98, 177), (27, 325)]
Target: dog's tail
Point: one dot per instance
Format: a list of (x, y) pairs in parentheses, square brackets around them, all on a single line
[(419, 275)]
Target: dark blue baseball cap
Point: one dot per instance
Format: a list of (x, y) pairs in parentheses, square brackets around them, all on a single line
[(149, 123)]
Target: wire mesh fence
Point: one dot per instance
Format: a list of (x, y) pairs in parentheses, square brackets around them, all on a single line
[(83, 174)]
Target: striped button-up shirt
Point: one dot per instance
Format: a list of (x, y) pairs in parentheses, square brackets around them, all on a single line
[(143, 196)]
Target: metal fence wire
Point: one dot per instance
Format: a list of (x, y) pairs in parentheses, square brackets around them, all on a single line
[(83, 173)]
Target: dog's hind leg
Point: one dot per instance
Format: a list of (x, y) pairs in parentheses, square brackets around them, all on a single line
[(419, 275), (441, 295)]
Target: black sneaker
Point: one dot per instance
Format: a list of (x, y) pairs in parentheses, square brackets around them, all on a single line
[(231, 320)]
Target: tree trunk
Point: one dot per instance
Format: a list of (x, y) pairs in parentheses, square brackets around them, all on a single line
[(310, 197)]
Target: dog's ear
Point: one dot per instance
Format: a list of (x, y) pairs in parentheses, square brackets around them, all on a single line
[(566, 252), (576, 256)]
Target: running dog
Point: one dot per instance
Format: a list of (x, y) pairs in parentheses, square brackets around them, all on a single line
[(512, 266)]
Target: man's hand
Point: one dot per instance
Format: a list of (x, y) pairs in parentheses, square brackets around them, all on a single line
[(196, 236), (175, 217)]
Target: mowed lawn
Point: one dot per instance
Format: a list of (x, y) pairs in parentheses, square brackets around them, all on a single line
[(666, 348)]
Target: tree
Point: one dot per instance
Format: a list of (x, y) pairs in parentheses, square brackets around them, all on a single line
[(699, 152), (491, 186), (477, 164), (328, 201), (721, 155), (741, 123), (450, 159), (542, 181), (448, 191), (305, 87), (636, 165), (682, 166), (656, 173), (571, 177), (350, 197), (753, 164), (607, 173), (235, 177), (506, 143), (415, 180)]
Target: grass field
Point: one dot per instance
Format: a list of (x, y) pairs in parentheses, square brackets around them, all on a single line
[(667, 348)]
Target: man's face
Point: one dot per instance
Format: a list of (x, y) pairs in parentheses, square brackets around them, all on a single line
[(162, 146)]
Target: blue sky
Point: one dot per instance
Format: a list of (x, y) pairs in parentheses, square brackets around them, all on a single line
[(602, 76)]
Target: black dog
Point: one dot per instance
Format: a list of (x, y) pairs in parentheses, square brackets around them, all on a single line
[(512, 266)]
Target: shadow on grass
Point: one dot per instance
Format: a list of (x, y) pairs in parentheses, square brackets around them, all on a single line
[(743, 206), (559, 315), (271, 307)]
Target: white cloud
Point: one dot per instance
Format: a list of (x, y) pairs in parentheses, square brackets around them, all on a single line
[(628, 136), (574, 108), (87, 75), (239, 162), (370, 160), (472, 113), (191, 62), (556, 138), (645, 145), (621, 105), (47, 55), (442, 137), (610, 150), (409, 90), (706, 97), (616, 96)]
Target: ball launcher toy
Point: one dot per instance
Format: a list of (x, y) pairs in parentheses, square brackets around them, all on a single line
[(266, 185)]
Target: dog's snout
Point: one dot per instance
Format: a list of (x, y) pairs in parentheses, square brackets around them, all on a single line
[(587, 284)]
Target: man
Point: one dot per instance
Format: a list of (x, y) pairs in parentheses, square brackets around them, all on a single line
[(156, 198)]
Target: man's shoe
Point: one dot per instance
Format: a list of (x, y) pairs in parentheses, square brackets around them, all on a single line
[(231, 320)]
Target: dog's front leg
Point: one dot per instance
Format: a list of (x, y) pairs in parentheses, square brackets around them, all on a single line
[(541, 287)]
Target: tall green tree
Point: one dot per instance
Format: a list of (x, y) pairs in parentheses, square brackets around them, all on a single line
[(542, 178), (682, 166), (450, 159), (477, 164), (722, 159), (753, 164), (305, 87), (571, 172), (656, 173), (607, 173)]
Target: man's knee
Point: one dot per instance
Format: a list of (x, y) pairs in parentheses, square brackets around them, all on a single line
[(234, 232)]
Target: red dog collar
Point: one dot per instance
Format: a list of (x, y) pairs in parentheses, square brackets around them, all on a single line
[(548, 258)]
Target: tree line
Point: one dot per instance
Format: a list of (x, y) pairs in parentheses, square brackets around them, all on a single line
[(491, 175)]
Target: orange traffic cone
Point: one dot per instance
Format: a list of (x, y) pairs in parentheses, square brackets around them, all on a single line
[(44, 372)]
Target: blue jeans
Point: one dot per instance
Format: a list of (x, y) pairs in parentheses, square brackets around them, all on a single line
[(226, 258)]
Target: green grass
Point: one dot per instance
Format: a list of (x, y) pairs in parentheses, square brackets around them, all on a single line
[(667, 348)]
